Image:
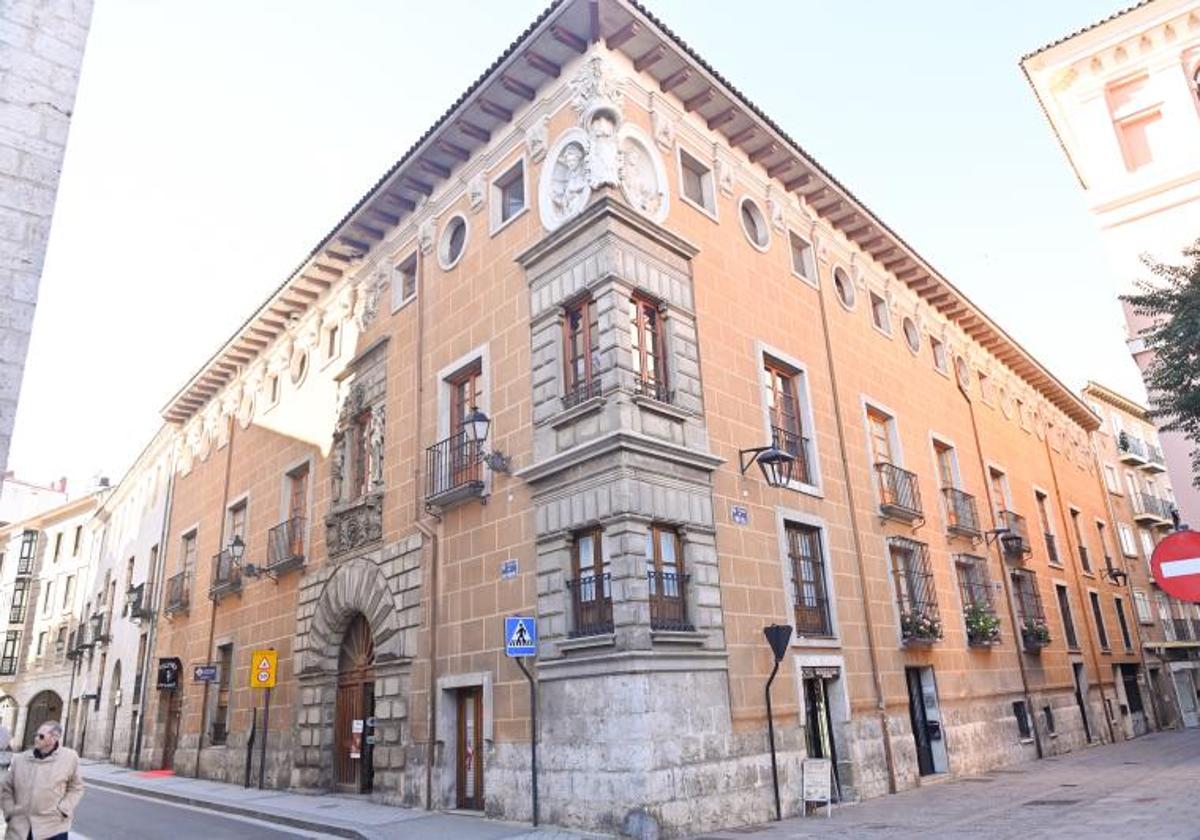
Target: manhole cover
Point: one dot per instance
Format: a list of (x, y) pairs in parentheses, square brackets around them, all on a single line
[(1054, 802)]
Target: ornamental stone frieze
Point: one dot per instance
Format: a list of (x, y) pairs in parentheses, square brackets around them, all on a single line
[(356, 524)]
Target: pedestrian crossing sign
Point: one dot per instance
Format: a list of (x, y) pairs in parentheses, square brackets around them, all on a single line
[(520, 636)]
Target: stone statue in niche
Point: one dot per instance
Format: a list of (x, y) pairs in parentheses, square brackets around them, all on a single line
[(537, 138), (337, 468), (638, 179), (604, 158), (569, 182), (375, 445)]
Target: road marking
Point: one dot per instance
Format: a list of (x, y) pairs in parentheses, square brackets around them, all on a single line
[(1178, 568)]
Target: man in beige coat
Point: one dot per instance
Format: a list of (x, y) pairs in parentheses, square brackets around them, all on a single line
[(42, 788)]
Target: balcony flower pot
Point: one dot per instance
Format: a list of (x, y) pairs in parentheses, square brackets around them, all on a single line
[(983, 626), (1035, 634), (920, 628)]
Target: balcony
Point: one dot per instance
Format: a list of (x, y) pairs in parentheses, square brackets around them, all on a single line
[(591, 598), (583, 391), (668, 601), (962, 517), (1154, 460), (24, 567), (453, 471), (8, 666), (1131, 450), (16, 615), (1016, 542), (796, 446), (899, 495), (138, 602), (100, 630), (1150, 510), (1052, 550), (226, 575), (285, 546), (178, 594), (653, 389)]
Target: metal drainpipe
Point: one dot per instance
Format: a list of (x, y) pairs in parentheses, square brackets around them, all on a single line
[(1084, 603), (1004, 575), (1137, 634), (152, 583), (880, 698), (212, 615)]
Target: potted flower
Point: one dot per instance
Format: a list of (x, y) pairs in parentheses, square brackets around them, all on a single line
[(920, 627), (983, 627), (1035, 633)]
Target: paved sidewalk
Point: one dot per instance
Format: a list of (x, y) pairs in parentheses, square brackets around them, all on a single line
[(341, 816), (1146, 789)]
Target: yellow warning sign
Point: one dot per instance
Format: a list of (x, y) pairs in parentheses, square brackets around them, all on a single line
[(263, 665)]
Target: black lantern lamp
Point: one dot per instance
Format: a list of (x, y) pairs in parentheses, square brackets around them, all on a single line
[(476, 426), (236, 549), (776, 465)]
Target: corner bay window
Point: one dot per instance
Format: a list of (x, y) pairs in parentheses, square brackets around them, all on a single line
[(783, 406), (591, 587), (649, 351), (667, 583), (581, 335), (806, 568)]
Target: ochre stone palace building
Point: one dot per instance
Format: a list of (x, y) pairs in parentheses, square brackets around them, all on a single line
[(658, 301)]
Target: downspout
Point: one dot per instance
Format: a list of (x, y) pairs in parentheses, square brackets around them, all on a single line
[(1084, 603), (153, 585), (880, 701), (1004, 575), (212, 615), (428, 533), (1137, 630)]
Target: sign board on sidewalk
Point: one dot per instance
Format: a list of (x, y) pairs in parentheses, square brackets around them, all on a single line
[(204, 673), (520, 636), (263, 665), (1175, 565), (168, 673), (818, 782)]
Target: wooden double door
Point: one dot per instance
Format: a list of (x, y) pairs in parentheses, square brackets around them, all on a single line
[(354, 715)]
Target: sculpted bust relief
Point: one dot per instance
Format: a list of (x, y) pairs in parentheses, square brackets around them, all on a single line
[(569, 190)]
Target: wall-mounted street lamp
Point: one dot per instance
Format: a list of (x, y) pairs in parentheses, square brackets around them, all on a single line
[(776, 465), (476, 425), (1117, 576)]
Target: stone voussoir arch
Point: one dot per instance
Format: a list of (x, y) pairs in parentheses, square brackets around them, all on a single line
[(356, 586)]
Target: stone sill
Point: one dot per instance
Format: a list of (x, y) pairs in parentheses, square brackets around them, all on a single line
[(587, 642), (665, 409), (678, 637), (570, 415)]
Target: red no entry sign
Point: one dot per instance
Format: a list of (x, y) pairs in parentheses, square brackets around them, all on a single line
[(1175, 565)]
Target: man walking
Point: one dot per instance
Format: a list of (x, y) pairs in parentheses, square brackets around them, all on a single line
[(42, 788)]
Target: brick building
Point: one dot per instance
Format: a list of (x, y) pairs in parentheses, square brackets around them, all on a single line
[(537, 370)]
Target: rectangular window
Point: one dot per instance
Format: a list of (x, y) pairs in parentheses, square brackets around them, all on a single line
[(28, 541), (1125, 535), (360, 453), (57, 546), (220, 723), (404, 282), (697, 182), (1110, 479), (649, 350), (1048, 716), (916, 596), (1031, 618), (1098, 615), (78, 541), (1064, 609), (272, 389), (331, 342), (1123, 623), (1102, 537), (975, 590), (879, 426), (1147, 542), (802, 257), (1021, 713), (581, 356), (806, 568), (187, 553), (237, 521), (1141, 606), (68, 592), (1085, 561), (508, 194), (591, 591), (879, 314), (16, 613), (47, 594), (947, 464), (60, 639), (782, 388), (8, 657), (939, 355), (41, 644), (667, 582), (1047, 527)]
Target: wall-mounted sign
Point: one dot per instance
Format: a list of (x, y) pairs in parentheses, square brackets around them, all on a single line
[(168, 673), (204, 673), (508, 569), (739, 515)]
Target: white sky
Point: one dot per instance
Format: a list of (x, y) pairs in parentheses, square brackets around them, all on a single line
[(213, 144)]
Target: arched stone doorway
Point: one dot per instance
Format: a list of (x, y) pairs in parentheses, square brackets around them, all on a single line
[(114, 696), (45, 705), (355, 708)]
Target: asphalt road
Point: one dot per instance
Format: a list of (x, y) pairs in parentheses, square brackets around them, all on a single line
[(109, 815)]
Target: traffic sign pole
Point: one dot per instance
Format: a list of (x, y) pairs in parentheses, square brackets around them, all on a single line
[(533, 734), (262, 747)]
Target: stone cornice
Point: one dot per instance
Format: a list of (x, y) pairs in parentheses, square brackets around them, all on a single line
[(615, 441)]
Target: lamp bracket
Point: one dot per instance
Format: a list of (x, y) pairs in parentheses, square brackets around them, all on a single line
[(497, 462)]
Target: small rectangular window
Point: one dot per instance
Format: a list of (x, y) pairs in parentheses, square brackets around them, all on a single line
[(581, 352), (508, 195), (1125, 535), (1141, 605), (273, 389), (802, 258), (78, 541), (1111, 481), (806, 572), (879, 314), (697, 182), (404, 282), (1048, 716), (781, 387), (1064, 608), (1123, 623), (220, 722), (57, 546), (41, 643), (1021, 713), (939, 355), (1098, 615), (648, 348), (332, 342)]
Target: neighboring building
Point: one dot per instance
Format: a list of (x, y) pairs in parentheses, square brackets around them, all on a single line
[(44, 566), (43, 51), (1142, 502), (21, 499), (1123, 98), (120, 589), (639, 282)]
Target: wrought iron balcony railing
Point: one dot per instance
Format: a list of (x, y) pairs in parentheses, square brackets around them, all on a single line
[(453, 469), (178, 593), (796, 446), (16, 615), (138, 602), (285, 545), (1154, 459), (1130, 449), (1150, 508), (226, 575), (583, 391), (668, 601), (899, 495), (8, 666), (962, 516), (654, 389), (591, 597)]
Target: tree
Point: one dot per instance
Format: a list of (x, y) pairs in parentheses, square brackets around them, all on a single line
[(1172, 302)]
